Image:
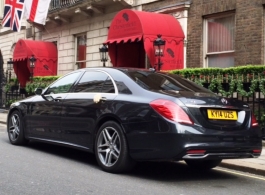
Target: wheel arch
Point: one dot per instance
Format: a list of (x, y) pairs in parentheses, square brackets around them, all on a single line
[(101, 121), (10, 112)]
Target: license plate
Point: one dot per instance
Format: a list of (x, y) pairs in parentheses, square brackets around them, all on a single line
[(222, 114)]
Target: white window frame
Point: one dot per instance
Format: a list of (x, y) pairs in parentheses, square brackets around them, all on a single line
[(76, 61), (205, 37), (2, 4)]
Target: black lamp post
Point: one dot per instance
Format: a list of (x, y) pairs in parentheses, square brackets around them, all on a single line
[(9, 68), (103, 54), (159, 46), (32, 61)]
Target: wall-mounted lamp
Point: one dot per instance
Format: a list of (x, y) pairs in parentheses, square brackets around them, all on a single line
[(159, 46), (10, 64), (103, 54), (9, 68), (32, 61)]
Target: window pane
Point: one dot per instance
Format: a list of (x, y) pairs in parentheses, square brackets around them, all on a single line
[(81, 50), (221, 60), (122, 88), (91, 82), (163, 81), (221, 34), (108, 86), (63, 85)]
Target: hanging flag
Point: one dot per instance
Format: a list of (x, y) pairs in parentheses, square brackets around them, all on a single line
[(13, 12), (37, 10)]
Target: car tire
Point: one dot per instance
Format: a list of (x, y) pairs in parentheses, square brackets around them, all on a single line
[(203, 164), (111, 149), (15, 129)]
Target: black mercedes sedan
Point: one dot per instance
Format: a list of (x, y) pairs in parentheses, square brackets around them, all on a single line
[(125, 115)]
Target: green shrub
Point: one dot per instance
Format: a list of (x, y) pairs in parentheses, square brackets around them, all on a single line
[(39, 82)]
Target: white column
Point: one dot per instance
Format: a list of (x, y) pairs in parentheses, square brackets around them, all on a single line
[(182, 17)]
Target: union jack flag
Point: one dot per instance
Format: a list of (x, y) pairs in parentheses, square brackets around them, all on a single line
[(13, 13)]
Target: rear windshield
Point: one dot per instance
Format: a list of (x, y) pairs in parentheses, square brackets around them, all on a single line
[(164, 81)]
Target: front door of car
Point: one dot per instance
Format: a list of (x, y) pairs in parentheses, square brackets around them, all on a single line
[(91, 98), (46, 110)]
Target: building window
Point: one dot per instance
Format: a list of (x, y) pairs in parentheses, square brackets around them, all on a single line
[(81, 51), (2, 5), (220, 41)]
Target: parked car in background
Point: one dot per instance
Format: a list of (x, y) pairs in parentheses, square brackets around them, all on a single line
[(125, 115)]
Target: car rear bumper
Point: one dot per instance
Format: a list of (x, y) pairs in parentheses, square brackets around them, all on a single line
[(181, 147), (221, 155)]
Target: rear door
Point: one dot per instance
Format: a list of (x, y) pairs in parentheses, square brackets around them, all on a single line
[(91, 98)]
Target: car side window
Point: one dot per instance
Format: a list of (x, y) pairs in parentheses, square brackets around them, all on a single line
[(63, 85), (95, 82), (108, 86)]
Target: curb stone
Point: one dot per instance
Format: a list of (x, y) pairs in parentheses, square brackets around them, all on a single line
[(243, 168)]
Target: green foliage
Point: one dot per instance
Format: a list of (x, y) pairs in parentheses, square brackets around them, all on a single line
[(236, 77), (248, 69), (252, 88), (9, 102), (239, 70), (197, 72), (260, 117), (12, 82), (245, 80), (39, 82)]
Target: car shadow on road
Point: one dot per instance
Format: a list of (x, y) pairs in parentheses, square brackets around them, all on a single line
[(176, 171), (158, 171), (64, 152)]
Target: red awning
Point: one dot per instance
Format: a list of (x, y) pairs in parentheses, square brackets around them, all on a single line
[(40, 49), (46, 59), (130, 26)]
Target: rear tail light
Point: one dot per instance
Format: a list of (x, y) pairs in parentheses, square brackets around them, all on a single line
[(254, 122), (171, 111), (257, 151)]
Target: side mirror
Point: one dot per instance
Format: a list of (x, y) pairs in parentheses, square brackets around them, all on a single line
[(38, 91)]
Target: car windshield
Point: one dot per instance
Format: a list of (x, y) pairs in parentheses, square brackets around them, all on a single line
[(164, 81)]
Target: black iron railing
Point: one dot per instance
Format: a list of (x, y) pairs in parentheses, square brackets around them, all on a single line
[(58, 4), (13, 96)]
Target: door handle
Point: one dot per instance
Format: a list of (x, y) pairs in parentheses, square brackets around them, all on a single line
[(103, 99), (57, 99)]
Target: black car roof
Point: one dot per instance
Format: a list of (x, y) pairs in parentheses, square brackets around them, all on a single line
[(117, 68)]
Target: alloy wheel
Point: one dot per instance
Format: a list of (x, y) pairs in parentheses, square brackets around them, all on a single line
[(109, 146), (14, 127)]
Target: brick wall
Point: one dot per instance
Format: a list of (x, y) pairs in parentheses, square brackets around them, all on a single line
[(248, 34), (198, 10)]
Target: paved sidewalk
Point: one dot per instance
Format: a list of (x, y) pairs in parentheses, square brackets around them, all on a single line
[(3, 116), (253, 165)]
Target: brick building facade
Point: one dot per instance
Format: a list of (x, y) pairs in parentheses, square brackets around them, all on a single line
[(248, 33)]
